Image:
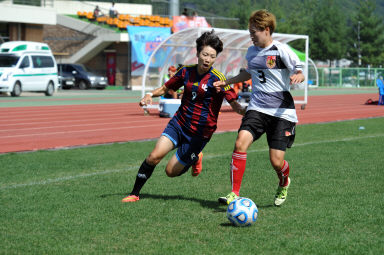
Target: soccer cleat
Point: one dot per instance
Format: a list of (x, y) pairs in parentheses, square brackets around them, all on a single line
[(198, 166), (281, 194), (130, 198), (228, 199)]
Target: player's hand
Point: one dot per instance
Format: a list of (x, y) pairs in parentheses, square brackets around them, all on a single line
[(243, 110), (146, 100), (218, 85), (296, 78)]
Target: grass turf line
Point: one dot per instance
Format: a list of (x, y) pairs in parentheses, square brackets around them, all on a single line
[(334, 203)]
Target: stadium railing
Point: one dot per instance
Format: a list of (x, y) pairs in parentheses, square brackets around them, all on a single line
[(349, 77)]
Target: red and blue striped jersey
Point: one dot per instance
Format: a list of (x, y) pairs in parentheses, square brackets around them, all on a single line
[(200, 104)]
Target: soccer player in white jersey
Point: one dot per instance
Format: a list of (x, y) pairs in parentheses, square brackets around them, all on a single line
[(273, 67)]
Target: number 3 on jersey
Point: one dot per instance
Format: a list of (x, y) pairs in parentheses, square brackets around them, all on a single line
[(261, 76)]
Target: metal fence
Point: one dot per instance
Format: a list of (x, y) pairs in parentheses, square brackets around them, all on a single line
[(349, 77)]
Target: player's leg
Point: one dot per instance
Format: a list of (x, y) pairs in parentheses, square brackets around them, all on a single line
[(163, 146), (381, 100), (239, 159), (174, 167), (238, 163), (250, 130), (198, 166), (188, 154), (280, 165), (280, 136)]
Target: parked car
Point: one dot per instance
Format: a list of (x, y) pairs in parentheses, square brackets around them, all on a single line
[(67, 81), (84, 77)]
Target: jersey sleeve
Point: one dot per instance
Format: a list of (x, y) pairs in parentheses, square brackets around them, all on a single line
[(176, 81), (290, 59), (230, 95)]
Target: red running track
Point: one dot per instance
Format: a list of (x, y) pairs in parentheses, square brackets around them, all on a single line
[(51, 127)]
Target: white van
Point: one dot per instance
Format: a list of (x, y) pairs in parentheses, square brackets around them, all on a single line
[(27, 66)]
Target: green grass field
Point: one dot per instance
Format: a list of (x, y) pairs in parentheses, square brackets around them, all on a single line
[(68, 201)]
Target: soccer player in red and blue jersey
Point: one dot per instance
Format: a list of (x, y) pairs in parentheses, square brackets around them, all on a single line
[(195, 121)]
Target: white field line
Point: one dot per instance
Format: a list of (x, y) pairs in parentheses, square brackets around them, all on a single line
[(61, 179)]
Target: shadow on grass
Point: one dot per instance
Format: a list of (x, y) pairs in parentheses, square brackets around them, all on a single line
[(204, 203)]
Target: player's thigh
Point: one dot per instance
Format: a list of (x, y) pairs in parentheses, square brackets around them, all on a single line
[(251, 128), (243, 141), (186, 155), (174, 167), (163, 146)]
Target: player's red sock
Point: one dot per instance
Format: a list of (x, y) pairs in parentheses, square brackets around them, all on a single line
[(283, 174), (239, 160)]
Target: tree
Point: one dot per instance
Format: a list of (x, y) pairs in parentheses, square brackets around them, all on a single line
[(240, 9), (366, 36), (296, 21), (327, 40)]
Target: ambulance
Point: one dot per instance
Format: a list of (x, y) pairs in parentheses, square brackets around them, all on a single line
[(27, 66)]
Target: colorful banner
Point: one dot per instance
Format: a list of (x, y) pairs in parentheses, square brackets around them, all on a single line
[(144, 41), (183, 22)]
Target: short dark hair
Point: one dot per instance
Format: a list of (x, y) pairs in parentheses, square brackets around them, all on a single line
[(211, 39)]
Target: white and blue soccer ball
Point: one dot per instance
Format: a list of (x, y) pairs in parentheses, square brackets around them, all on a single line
[(242, 212)]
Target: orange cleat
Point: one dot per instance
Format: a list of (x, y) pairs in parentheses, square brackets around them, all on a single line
[(198, 166), (130, 198)]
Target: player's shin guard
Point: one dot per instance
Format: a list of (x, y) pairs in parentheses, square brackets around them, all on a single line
[(145, 171), (239, 161), (283, 174)]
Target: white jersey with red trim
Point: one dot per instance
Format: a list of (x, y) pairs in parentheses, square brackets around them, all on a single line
[(270, 69)]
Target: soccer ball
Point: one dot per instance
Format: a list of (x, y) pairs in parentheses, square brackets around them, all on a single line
[(242, 212)]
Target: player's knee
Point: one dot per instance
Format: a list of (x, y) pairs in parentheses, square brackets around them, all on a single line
[(240, 146), (277, 162), (153, 159), (170, 172)]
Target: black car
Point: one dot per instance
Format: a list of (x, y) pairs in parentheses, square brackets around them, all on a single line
[(84, 78), (66, 80)]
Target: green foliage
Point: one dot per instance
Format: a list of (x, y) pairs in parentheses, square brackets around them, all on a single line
[(328, 24), (242, 10), (68, 201), (367, 35), (328, 42)]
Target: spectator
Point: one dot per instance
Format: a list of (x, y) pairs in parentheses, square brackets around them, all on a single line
[(113, 11), (194, 14), (380, 84), (171, 93), (185, 12), (97, 12)]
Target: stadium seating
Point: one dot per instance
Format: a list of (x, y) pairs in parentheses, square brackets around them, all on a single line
[(124, 20)]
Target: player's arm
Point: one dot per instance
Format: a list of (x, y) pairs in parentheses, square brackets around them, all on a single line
[(242, 76), (147, 99), (297, 77), (238, 108)]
